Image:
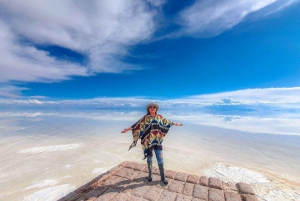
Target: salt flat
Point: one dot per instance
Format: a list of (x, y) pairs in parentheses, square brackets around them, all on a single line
[(52, 153)]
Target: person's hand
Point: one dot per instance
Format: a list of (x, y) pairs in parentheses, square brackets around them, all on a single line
[(178, 124), (125, 130)]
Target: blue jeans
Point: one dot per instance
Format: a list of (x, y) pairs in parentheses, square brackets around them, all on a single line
[(159, 156)]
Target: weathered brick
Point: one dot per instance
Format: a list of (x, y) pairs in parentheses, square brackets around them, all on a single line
[(188, 189), (215, 195), (142, 176), (170, 174), (139, 191), (232, 196), (155, 170), (215, 183), (176, 186), (230, 187), (163, 186), (193, 179), (122, 197), (108, 195), (203, 181), (112, 180), (167, 196), (248, 197), (114, 169), (181, 197), (124, 172), (134, 198), (131, 165), (124, 163), (140, 167), (96, 192), (245, 188), (197, 199), (181, 176), (153, 194), (201, 192), (132, 174)]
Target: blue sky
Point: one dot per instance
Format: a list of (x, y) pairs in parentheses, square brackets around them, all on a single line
[(150, 50)]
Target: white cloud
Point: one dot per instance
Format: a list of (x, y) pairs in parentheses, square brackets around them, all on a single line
[(101, 30), (210, 18), (11, 91), (251, 96)]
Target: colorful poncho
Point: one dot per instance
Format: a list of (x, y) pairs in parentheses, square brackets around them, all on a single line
[(151, 131)]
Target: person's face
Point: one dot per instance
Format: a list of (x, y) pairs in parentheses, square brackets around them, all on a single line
[(152, 109)]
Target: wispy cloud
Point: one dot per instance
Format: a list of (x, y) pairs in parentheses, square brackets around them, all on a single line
[(101, 30), (210, 18), (264, 96)]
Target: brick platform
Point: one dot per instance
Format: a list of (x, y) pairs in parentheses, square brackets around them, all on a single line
[(128, 182)]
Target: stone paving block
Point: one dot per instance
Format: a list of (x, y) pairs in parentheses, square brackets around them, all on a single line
[(131, 165), (122, 184), (153, 193), (81, 199), (193, 179), (163, 186), (131, 174), (170, 174), (248, 197), (203, 181), (215, 195), (167, 196), (134, 198), (112, 180), (181, 197), (141, 167), (181, 176), (197, 199), (176, 186), (215, 183), (140, 190), (245, 188), (108, 195), (123, 172), (232, 196), (156, 177), (114, 169), (201, 192), (155, 170), (142, 176), (95, 192), (124, 163), (230, 187), (122, 197), (188, 189)]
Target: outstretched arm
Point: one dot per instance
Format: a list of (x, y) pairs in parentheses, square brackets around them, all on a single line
[(126, 129), (178, 124)]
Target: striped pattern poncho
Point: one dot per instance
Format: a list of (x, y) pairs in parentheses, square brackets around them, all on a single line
[(151, 131)]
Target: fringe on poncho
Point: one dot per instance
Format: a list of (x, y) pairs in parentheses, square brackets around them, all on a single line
[(151, 131)]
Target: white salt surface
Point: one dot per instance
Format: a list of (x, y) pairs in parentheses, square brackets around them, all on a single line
[(235, 174), (50, 194), (43, 183), (38, 150)]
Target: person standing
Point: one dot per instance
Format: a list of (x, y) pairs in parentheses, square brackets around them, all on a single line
[(151, 129)]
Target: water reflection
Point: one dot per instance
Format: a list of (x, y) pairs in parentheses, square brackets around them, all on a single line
[(54, 151)]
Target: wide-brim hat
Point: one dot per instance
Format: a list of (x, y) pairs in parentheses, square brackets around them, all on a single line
[(152, 104)]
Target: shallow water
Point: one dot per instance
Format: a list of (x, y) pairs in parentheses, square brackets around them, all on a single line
[(50, 153)]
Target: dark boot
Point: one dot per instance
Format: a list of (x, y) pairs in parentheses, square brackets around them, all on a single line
[(150, 170), (162, 173)]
